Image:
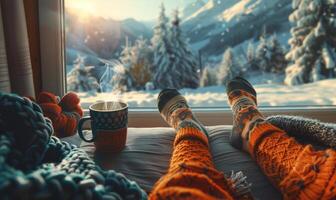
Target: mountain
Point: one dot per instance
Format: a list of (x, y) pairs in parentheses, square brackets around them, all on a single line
[(191, 8), (210, 26), (222, 23), (100, 37), (134, 29)]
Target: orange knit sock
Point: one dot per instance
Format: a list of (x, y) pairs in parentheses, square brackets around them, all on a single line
[(243, 101), (191, 174), (297, 170)]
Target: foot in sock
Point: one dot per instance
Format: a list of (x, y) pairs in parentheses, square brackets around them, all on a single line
[(175, 111), (243, 101)]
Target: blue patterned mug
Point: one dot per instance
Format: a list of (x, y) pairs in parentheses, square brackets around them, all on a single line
[(109, 126)]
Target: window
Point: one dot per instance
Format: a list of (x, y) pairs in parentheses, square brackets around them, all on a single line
[(129, 50)]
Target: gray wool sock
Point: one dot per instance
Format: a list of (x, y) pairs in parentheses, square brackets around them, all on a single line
[(307, 130)]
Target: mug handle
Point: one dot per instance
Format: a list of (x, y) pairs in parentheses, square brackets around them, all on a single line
[(80, 131)]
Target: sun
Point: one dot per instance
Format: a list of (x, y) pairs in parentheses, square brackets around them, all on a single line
[(82, 8)]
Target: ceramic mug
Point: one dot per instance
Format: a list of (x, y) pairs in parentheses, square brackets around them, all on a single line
[(108, 124)]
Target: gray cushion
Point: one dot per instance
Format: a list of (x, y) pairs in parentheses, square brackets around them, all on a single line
[(227, 159), (148, 150)]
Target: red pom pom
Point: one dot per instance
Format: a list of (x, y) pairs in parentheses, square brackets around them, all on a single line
[(70, 125), (46, 97), (64, 124), (51, 110), (69, 102)]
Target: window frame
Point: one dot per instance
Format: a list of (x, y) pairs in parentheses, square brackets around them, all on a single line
[(53, 78)]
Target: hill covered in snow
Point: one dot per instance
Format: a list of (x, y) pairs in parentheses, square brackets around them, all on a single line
[(210, 26), (222, 23), (269, 94), (192, 7), (100, 37)]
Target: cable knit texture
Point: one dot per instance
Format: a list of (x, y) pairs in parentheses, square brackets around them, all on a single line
[(64, 113), (299, 171), (192, 174), (36, 165)]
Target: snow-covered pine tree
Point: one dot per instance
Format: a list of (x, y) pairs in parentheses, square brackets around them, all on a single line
[(79, 79), (263, 54), (241, 68), (313, 41), (277, 60), (316, 73), (184, 66), (205, 78), (228, 69), (138, 61), (163, 53), (122, 80), (126, 54), (252, 63), (142, 63)]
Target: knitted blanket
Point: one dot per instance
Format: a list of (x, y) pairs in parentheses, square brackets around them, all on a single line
[(307, 130), (36, 165)]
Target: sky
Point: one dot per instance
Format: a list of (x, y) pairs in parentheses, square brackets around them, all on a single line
[(143, 10)]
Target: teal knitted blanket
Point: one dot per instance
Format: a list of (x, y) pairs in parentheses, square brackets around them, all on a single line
[(36, 165)]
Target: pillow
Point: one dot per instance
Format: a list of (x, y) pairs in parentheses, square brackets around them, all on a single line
[(227, 159), (148, 150)]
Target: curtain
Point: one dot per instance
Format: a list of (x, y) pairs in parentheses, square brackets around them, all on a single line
[(16, 74), (4, 76), (32, 19)]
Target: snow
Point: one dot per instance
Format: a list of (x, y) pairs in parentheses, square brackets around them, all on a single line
[(209, 13), (209, 5), (269, 94), (212, 26), (229, 12), (235, 10), (192, 8), (311, 51), (243, 9)]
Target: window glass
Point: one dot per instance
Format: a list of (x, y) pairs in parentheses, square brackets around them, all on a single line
[(131, 49)]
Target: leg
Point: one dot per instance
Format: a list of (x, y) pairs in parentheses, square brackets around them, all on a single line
[(191, 174), (298, 171)]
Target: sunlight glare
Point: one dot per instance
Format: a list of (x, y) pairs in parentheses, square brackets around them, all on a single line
[(142, 10), (82, 8)]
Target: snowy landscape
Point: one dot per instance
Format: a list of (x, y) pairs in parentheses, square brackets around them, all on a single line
[(312, 94), (285, 48)]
